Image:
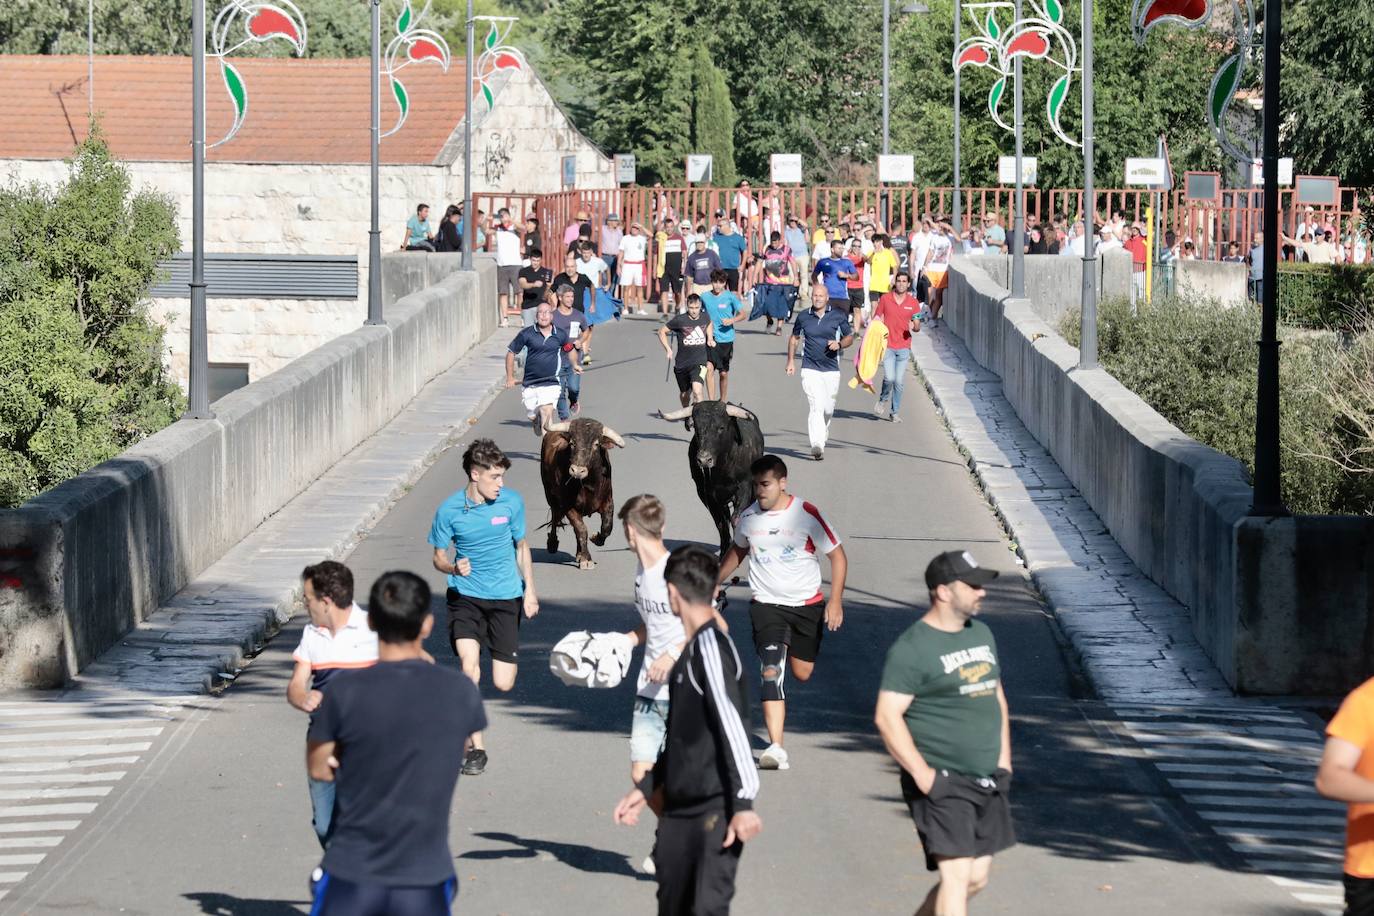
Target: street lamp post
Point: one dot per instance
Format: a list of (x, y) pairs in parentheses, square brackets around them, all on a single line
[(910, 9), (374, 234), (198, 404), (1018, 256), (957, 205), (1087, 346), (469, 217)]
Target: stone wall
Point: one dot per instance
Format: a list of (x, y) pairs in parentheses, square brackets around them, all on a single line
[(1226, 283), (1054, 283), (98, 553), (1281, 606)]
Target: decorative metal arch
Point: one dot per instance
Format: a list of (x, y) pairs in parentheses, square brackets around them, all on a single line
[(412, 45), (261, 23)]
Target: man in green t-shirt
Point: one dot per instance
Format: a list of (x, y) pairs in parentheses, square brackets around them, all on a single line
[(943, 717)]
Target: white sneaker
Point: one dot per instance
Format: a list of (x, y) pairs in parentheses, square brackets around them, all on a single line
[(647, 866), (774, 758), (880, 409)]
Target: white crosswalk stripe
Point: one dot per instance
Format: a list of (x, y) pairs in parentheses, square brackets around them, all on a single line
[(1247, 770), (59, 759)]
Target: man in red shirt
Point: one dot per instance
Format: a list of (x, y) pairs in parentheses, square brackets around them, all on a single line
[(1135, 244), (897, 310)]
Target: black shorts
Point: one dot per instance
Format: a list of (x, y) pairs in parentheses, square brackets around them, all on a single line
[(721, 354), (1359, 896), (874, 295), (962, 817), (685, 377), (801, 628), (674, 283), (843, 305), (856, 299), (732, 279), (495, 624)]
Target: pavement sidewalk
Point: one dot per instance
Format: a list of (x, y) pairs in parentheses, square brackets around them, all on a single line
[(199, 639)]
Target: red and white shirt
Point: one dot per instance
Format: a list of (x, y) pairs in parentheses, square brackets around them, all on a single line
[(784, 566), (353, 646)]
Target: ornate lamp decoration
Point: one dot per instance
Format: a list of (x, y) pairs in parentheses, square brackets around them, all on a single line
[(1194, 15), (496, 56), (1039, 36), (261, 22), (412, 45)]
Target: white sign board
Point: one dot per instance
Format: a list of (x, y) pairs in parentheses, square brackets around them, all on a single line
[(1006, 169), (1285, 172), (699, 167), (786, 168), (900, 169), (625, 168), (1147, 172)]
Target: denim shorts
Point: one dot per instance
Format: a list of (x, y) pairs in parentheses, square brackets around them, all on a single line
[(649, 730)]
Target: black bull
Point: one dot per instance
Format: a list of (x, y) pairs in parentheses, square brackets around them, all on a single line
[(726, 440), (576, 469)]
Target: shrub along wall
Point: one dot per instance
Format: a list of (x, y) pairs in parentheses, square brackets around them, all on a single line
[(1337, 296)]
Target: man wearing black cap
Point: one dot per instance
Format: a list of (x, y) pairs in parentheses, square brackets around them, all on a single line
[(943, 717)]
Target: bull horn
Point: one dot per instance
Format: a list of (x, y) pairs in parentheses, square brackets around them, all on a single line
[(557, 427), (680, 414), (612, 435), (739, 413)]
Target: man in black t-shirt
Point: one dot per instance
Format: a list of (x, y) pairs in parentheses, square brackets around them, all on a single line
[(392, 737), (695, 341), (534, 282)]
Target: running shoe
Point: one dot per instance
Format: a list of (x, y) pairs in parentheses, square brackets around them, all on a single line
[(474, 762), (774, 758), (896, 418), (587, 360), (648, 866), (537, 424), (880, 409), (817, 453)]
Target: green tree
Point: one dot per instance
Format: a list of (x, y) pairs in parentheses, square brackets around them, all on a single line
[(1327, 90), (713, 116), (81, 373)]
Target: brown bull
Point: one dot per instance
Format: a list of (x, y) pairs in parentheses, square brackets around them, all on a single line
[(575, 465)]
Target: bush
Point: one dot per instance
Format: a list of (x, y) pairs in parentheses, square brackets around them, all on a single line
[(81, 373), (1195, 362), (1335, 296)]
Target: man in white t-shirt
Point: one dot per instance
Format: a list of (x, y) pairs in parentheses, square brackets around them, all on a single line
[(598, 273), (634, 252), (509, 260), (782, 537)]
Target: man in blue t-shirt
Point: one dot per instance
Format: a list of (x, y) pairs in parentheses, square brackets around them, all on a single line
[(834, 272), (730, 246), (725, 311), (544, 366), (823, 331), (391, 737), (490, 573), (419, 235)]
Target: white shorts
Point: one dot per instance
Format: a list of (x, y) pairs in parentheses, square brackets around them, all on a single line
[(632, 273), (539, 396)]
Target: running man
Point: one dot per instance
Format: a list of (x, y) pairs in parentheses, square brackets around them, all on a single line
[(1346, 775), (943, 717), (541, 383), (695, 340), (598, 274), (672, 254), (570, 322), (337, 638), (834, 270), (701, 263), (782, 537), (704, 783), (899, 311), (725, 311), (391, 737), (634, 252), (490, 574), (823, 331), (659, 632)]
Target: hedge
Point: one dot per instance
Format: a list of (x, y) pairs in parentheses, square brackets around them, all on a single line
[(1334, 296)]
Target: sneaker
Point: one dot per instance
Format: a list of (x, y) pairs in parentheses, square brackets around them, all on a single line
[(880, 409), (648, 866), (774, 758), (817, 453), (537, 424), (896, 418), (577, 409), (587, 360), (474, 762)]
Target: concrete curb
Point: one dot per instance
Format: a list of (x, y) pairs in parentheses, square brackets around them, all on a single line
[(202, 637)]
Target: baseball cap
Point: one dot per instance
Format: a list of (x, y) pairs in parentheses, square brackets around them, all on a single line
[(957, 566), (719, 214)]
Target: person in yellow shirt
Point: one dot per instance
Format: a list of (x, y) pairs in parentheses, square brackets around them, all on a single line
[(822, 233), (882, 267), (1346, 774)]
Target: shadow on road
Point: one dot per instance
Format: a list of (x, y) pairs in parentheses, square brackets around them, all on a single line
[(227, 905), (574, 855)]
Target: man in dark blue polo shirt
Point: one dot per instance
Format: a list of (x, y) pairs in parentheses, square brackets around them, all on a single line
[(823, 331), (730, 246), (490, 573), (544, 365)]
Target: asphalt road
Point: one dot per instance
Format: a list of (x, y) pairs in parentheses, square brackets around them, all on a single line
[(219, 822)]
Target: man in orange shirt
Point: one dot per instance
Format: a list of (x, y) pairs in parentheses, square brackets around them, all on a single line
[(1347, 774)]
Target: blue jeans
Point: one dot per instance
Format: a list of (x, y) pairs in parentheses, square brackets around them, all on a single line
[(322, 807), (894, 376), (570, 388)]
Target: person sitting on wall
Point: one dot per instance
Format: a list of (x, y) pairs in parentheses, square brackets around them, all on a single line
[(447, 238), (419, 236)]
